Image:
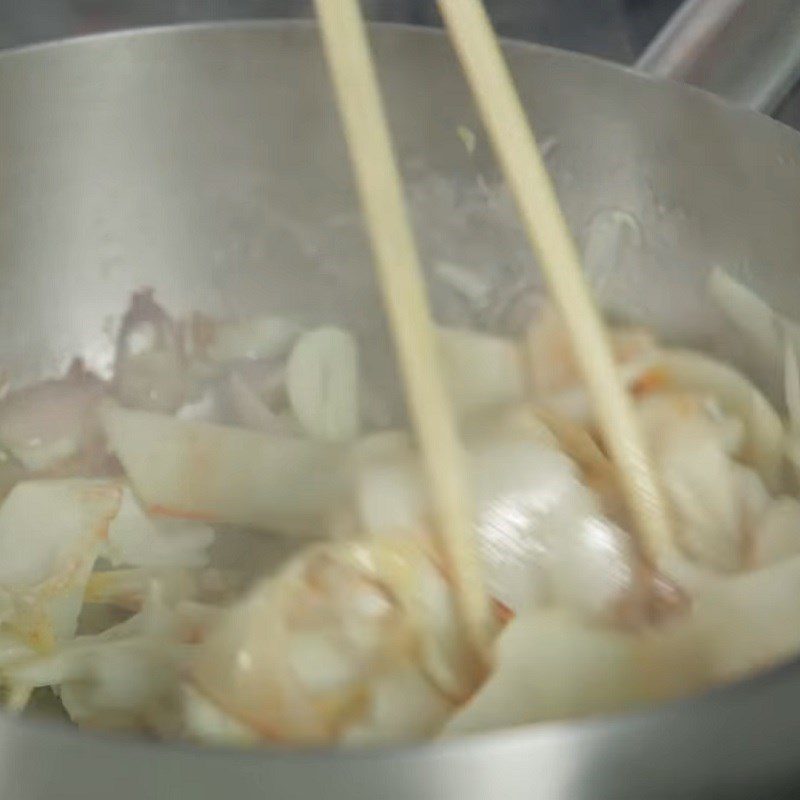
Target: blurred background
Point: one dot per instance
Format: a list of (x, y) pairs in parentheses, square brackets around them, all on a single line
[(615, 29)]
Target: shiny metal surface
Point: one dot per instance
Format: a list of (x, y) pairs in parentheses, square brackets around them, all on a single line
[(208, 163), (747, 51), (613, 29)]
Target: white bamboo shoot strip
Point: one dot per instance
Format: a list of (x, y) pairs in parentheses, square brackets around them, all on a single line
[(505, 120), (379, 184)]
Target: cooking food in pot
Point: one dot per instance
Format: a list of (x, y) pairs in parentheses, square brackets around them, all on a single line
[(229, 539)]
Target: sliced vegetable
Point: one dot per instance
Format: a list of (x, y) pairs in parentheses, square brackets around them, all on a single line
[(125, 678), (49, 422), (317, 653), (205, 722), (753, 316), (764, 432), (597, 471), (323, 384), (548, 666), (355, 641), (527, 498), (247, 339), (218, 474), (136, 540), (540, 531), (776, 535), (551, 362), (150, 365), (51, 533), (595, 571), (792, 391), (690, 452), (481, 370), (128, 588), (748, 621), (792, 388), (252, 411), (404, 707)]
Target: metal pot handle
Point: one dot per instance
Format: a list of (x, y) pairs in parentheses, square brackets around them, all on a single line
[(747, 51)]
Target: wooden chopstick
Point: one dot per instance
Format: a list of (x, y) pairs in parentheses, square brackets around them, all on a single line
[(472, 35), (380, 189)]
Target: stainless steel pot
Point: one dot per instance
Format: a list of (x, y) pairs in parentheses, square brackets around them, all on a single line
[(208, 162), (747, 51)]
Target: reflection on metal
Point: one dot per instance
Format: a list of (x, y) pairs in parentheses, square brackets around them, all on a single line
[(747, 51), (202, 161)]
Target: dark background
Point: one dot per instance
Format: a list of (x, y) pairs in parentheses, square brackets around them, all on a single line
[(614, 29)]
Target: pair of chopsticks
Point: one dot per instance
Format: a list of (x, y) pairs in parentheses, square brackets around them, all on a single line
[(398, 264)]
